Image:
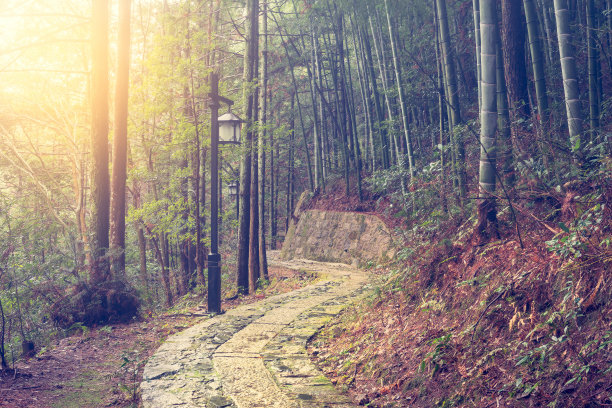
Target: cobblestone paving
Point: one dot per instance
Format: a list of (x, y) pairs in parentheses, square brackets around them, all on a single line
[(254, 356)]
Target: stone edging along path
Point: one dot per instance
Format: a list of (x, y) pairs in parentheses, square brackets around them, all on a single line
[(254, 356)]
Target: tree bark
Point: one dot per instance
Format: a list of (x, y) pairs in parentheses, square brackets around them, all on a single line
[(503, 118), (593, 57), (452, 94), (398, 80), (537, 58), (117, 221), (263, 258), (513, 42), (100, 186), (253, 121)]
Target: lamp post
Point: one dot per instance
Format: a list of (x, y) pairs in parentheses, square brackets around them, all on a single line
[(233, 192), (223, 130)]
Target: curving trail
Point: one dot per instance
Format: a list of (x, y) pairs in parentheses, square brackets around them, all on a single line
[(254, 356)]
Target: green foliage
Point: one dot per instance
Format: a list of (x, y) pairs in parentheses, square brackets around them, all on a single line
[(434, 360), (574, 239), (128, 375)]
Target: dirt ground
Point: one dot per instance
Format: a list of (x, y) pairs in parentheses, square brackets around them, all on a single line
[(102, 366)]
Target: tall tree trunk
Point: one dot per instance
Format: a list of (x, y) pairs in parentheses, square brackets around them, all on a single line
[(441, 114), (318, 156), (382, 134), (545, 10), (503, 118), (513, 41), (185, 242), (382, 69), (593, 57), (196, 254), (363, 89), (345, 113), (452, 94), (263, 258), (291, 169), (398, 80), (487, 218), (100, 187), (142, 251), (324, 137), (299, 106), (164, 270), (568, 70), (537, 60), (476, 10), (117, 221), (250, 75), (353, 116), (253, 121), (273, 186)]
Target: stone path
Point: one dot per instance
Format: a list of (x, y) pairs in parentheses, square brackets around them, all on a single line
[(254, 356)]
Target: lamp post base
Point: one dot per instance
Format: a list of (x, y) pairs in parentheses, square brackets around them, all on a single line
[(214, 283)]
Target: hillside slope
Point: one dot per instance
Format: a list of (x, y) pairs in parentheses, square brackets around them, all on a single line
[(525, 320)]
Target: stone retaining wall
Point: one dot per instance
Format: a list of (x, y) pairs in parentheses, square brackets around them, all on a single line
[(346, 237)]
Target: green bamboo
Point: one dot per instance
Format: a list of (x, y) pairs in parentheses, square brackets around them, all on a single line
[(568, 70), (487, 218), (503, 118), (537, 61), (488, 109), (476, 8), (453, 93), (398, 79), (593, 58)]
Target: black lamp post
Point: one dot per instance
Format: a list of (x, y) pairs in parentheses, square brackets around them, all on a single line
[(228, 127)]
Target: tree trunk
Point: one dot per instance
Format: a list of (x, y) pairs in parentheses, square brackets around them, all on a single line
[(142, 251), (398, 80), (273, 186), (252, 120), (503, 118), (476, 10), (299, 106), (100, 186), (164, 270), (382, 69), (452, 94), (353, 116), (318, 156), (117, 221), (291, 169), (568, 71), (382, 134), (363, 89), (513, 42), (263, 259), (487, 218), (537, 60), (441, 115), (593, 57), (250, 75)]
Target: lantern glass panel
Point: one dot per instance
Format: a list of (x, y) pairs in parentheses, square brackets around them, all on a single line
[(229, 128), (233, 189), (226, 132)]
